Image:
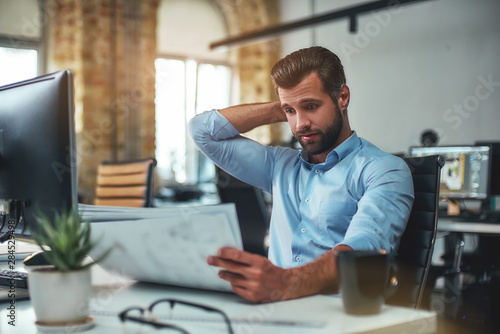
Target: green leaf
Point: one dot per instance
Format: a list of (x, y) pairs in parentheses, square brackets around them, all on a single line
[(100, 258), (66, 236)]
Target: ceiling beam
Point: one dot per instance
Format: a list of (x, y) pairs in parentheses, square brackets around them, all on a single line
[(276, 30)]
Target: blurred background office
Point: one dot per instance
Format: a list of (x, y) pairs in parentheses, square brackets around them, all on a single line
[(144, 68)]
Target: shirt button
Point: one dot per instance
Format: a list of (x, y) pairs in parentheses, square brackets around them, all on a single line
[(297, 258), (303, 230), (308, 200), (318, 171)]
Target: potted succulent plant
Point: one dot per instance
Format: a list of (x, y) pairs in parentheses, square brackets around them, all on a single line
[(60, 293)]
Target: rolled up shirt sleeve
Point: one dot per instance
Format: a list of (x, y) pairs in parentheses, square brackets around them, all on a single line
[(219, 140), (383, 210)]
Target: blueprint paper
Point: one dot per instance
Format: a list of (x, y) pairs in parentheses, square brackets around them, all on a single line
[(166, 245)]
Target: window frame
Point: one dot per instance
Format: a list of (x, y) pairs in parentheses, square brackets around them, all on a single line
[(189, 145), (15, 42)]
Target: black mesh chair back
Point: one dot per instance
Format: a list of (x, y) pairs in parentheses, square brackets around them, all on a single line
[(417, 242)]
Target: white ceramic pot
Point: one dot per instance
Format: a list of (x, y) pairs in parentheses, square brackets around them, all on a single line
[(60, 298)]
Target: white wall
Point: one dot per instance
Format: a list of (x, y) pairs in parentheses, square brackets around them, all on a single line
[(418, 66), (20, 18), (186, 28)]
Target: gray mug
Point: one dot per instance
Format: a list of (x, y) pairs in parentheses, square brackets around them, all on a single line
[(367, 279)]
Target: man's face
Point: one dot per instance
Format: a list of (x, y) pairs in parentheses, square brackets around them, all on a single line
[(315, 120)]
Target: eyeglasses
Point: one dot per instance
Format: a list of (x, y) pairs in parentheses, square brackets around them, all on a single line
[(135, 317)]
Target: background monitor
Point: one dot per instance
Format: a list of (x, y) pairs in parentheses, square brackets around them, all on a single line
[(466, 172), (494, 166), (37, 151)]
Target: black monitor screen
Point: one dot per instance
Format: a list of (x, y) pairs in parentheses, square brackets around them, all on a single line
[(494, 166), (37, 151), (465, 174)]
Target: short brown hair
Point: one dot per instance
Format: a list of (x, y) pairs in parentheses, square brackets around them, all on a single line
[(289, 71)]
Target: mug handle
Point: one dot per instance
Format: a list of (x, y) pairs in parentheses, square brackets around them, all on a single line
[(392, 283)]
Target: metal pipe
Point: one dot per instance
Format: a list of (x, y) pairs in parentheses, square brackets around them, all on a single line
[(275, 30)]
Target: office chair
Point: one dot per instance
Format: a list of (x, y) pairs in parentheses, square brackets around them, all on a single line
[(127, 183), (417, 242), (251, 208)]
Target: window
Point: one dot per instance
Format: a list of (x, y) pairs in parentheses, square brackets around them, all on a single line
[(21, 40), (185, 88), (17, 64)]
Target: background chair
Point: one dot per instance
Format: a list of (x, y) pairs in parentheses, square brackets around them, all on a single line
[(251, 208), (417, 242), (128, 183)]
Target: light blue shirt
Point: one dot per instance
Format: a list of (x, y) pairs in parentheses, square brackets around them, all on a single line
[(360, 197)]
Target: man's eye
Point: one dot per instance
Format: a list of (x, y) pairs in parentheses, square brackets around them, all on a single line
[(289, 111), (311, 107)]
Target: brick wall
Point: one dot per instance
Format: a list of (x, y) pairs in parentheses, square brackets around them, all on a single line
[(110, 45), (254, 62)]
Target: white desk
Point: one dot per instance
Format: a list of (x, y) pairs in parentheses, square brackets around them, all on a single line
[(317, 314), (451, 225)]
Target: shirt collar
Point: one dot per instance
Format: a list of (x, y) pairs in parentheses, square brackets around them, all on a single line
[(337, 154)]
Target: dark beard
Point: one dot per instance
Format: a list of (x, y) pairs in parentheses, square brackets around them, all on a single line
[(327, 139)]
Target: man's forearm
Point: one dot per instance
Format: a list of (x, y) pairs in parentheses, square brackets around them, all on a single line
[(246, 117), (317, 277)]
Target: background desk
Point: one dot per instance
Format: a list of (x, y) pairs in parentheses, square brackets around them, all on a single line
[(451, 225), (317, 314), (455, 231), (459, 228)]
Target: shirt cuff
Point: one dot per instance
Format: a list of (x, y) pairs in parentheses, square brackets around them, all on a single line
[(359, 243), (222, 129)]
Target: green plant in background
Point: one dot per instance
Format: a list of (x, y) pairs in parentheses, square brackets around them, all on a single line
[(65, 240)]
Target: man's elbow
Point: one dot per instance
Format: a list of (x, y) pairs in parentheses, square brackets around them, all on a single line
[(197, 131), (193, 126)]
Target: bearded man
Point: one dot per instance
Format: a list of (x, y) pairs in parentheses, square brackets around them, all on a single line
[(338, 193)]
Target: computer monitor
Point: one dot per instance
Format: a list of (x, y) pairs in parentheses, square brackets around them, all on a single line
[(466, 172), (37, 151), (494, 166)]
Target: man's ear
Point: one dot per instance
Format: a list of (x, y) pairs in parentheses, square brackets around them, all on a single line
[(344, 97)]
